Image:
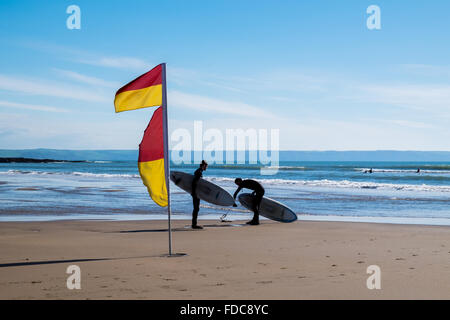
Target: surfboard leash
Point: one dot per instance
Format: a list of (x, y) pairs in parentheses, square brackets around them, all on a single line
[(222, 218)]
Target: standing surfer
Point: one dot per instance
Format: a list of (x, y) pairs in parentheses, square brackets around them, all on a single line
[(195, 200), (258, 193)]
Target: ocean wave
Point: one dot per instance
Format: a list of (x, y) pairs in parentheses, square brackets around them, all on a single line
[(246, 167), (277, 182), (74, 173), (98, 161), (403, 170), (344, 184)]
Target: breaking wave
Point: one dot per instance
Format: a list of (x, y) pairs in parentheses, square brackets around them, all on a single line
[(74, 173), (343, 184)]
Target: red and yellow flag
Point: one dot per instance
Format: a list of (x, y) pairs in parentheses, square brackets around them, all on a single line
[(145, 91), (151, 159)]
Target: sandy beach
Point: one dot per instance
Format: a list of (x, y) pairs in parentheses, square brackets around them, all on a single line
[(301, 260)]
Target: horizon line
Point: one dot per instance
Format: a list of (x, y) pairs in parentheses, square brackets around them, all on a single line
[(285, 150)]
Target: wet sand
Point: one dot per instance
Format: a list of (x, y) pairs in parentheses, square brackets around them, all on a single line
[(301, 260)]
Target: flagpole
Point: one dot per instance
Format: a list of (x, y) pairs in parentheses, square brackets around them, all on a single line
[(166, 151)]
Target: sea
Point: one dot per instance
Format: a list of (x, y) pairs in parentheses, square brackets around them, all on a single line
[(378, 192)]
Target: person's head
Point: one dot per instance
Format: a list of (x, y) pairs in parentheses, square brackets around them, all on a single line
[(204, 165), (238, 181)]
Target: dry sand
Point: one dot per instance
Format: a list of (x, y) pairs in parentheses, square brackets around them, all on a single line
[(301, 260)]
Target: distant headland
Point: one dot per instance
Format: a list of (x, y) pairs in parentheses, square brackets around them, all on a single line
[(47, 155), (32, 160)]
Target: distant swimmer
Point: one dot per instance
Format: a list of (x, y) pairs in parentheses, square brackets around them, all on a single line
[(195, 200), (369, 171), (258, 193), (418, 170)]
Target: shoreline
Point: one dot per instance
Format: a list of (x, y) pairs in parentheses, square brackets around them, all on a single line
[(443, 222), (300, 260)]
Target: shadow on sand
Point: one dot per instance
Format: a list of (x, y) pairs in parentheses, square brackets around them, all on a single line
[(34, 263), (186, 228)]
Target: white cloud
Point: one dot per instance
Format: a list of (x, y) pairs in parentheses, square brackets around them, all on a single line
[(31, 107), (119, 62), (19, 131), (415, 96), (87, 57), (72, 75), (38, 87), (409, 124), (206, 104), (427, 69)]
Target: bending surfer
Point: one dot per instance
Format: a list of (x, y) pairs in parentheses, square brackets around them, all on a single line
[(258, 193), (195, 200)]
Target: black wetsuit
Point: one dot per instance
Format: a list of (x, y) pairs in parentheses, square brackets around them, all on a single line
[(258, 193), (195, 200)]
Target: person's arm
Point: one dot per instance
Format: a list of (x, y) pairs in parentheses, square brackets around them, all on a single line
[(195, 182), (236, 193)]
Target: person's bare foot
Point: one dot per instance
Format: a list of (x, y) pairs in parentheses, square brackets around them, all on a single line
[(197, 227)]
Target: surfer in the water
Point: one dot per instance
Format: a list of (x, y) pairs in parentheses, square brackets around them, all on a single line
[(195, 200), (258, 193)]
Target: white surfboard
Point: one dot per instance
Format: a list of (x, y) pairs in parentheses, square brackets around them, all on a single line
[(269, 208), (206, 190)]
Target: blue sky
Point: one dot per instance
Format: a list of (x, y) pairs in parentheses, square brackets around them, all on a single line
[(309, 68)]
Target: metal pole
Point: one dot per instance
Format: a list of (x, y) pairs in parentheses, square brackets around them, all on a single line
[(166, 150)]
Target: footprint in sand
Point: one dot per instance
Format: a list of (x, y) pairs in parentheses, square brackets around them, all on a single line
[(360, 262), (301, 277), (264, 282), (399, 259)]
